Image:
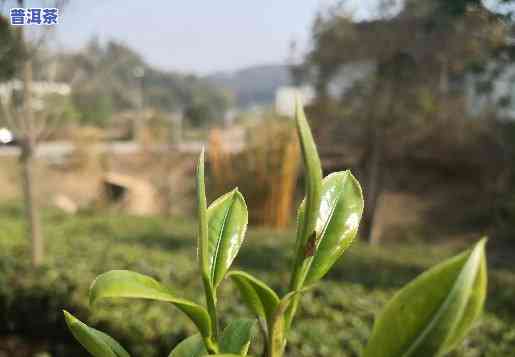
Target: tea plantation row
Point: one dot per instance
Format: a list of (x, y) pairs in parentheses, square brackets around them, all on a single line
[(335, 320)]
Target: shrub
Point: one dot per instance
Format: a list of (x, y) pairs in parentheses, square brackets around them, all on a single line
[(428, 317)]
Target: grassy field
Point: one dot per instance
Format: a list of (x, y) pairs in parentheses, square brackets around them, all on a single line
[(335, 319)]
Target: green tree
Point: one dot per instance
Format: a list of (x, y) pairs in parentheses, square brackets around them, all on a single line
[(112, 77), (9, 50), (199, 114), (28, 126), (95, 108)]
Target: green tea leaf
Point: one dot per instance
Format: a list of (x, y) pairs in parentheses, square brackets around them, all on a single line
[(473, 308), (227, 220), (308, 211), (128, 284), (190, 347), (236, 337), (202, 243), (338, 217), (430, 315), (308, 214), (258, 297), (341, 207), (95, 342)]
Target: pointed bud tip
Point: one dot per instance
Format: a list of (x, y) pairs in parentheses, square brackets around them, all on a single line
[(482, 242), (298, 105), (68, 317), (298, 99)]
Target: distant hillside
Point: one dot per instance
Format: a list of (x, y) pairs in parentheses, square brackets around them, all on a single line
[(254, 85)]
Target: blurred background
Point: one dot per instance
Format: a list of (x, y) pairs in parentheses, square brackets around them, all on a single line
[(104, 113)]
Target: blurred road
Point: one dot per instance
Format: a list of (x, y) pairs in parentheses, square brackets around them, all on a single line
[(59, 149)]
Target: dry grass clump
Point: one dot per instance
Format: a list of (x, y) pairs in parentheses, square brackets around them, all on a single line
[(266, 170)]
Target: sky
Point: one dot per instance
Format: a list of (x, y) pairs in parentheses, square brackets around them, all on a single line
[(200, 36), (194, 35)]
